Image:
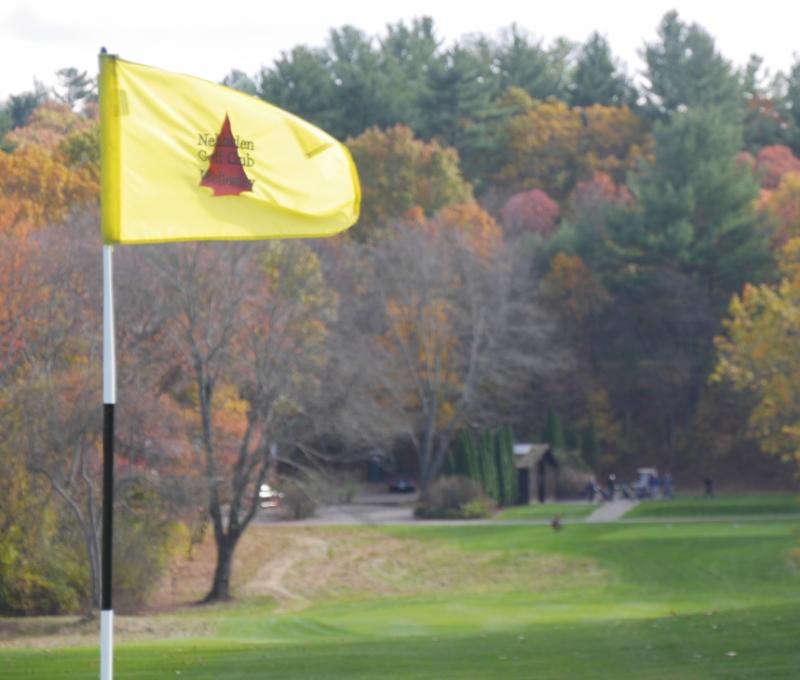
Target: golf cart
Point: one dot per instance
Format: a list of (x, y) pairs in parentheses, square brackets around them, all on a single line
[(646, 485)]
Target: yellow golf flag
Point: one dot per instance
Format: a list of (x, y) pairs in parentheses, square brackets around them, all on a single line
[(184, 159)]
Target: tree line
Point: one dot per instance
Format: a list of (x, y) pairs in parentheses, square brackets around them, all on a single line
[(540, 234)]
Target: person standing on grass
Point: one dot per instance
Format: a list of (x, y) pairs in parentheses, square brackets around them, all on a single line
[(667, 486)]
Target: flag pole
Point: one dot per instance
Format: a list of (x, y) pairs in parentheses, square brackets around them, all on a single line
[(109, 400)]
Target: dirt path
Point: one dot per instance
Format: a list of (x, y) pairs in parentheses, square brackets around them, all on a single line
[(271, 578)]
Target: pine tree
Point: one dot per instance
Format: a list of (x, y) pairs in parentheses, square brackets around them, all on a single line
[(685, 70), (597, 79), (553, 431)]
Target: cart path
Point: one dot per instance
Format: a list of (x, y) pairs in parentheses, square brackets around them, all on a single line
[(612, 511)]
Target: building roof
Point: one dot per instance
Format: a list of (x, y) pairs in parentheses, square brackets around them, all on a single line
[(528, 454)]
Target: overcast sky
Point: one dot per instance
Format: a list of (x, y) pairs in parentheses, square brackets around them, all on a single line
[(208, 39)]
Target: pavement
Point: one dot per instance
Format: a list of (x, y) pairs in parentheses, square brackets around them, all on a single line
[(371, 508), (612, 511), (368, 508), (374, 509)]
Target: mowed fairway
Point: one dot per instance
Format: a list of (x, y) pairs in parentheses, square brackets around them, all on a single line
[(684, 600)]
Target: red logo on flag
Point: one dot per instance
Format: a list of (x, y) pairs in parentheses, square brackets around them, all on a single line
[(225, 174)]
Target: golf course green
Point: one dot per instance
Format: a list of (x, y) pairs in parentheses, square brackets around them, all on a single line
[(684, 600)]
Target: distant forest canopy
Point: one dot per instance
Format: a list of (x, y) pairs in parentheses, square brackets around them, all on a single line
[(640, 205), (607, 264)]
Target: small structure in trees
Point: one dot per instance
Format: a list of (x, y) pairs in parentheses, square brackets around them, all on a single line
[(526, 458)]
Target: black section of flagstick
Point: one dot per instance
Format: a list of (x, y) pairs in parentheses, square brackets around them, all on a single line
[(108, 502)]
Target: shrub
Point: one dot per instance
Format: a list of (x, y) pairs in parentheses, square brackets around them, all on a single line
[(146, 538), (453, 492), (297, 502), (29, 588), (478, 509), (455, 498)]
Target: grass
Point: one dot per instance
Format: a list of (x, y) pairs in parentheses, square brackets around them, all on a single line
[(625, 649), (662, 601), (547, 510), (719, 506)]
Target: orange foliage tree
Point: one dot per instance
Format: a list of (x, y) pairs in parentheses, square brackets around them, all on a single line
[(400, 174), (781, 208), (45, 190), (54, 168), (48, 126), (773, 162), (552, 146)]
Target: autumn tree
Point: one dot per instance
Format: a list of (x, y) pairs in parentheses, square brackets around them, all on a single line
[(450, 343), (759, 355), (572, 290), (400, 173), (48, 125), (34, 577), (530, 212), (773, 162), (781, 210), (44, 176), (50, 379), (552, 147), (245, 331), (613, 141)]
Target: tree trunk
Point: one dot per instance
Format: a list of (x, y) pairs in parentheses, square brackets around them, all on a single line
[(221, 586)]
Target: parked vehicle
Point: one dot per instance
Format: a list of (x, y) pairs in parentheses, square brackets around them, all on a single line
[(402, 484), (269, 497)]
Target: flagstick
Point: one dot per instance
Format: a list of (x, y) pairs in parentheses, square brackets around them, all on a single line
[(109, 399)]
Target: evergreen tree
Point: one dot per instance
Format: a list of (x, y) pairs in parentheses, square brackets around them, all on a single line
[(489, 465), (368, 93), (473, 463), (789, 104), (685, 70), (590, 450), (764, 121), (523, 62), (19, 107), (696, 206), (596, 79), (75, 86), (553, 432), (301, 82), (507, 470), (459, 86), (408, 53), (239, 80)]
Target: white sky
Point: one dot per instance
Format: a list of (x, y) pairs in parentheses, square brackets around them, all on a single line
[(209, 38)]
